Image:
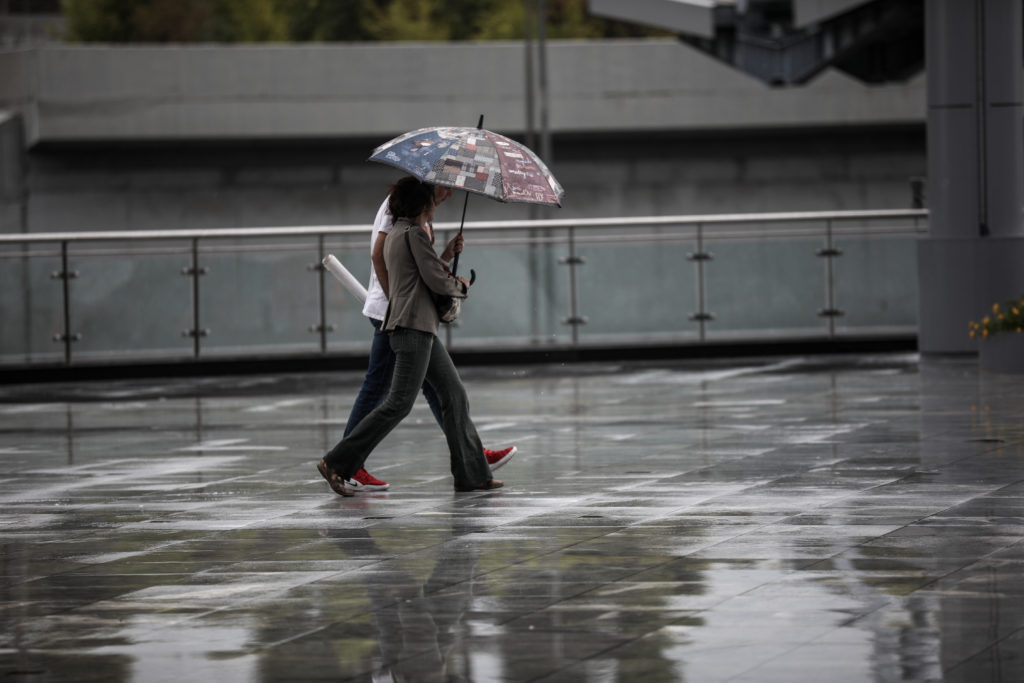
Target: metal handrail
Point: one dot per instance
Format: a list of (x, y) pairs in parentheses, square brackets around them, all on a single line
[(540, 224)]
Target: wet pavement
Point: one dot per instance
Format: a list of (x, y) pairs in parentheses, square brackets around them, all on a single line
[(856, 518)]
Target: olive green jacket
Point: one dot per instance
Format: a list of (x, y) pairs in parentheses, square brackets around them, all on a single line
[(415, 274)]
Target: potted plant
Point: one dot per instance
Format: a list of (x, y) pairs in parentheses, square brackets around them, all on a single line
[(1002, 337)]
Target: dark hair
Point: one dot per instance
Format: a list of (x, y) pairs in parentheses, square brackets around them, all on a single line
[(410, 197)]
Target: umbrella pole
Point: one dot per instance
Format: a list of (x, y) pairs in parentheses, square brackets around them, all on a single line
[(455, 261)]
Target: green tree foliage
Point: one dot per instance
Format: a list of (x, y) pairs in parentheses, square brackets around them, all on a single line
[(230, 21), (468, 19), (248, 21), (175, 21), (330, 20), (505, 21), (408, 20), (570, 19), (169, 21), (100, 20)]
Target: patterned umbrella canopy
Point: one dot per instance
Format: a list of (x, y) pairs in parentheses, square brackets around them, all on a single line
[(473, 159)]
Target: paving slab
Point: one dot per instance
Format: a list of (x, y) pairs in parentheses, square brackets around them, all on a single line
[(839, 518)]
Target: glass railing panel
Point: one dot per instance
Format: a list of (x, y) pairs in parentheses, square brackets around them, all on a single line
[(631, 289), (521, 291), (258, 295), (130, 300), (876, 283), (767, 288), (635, 280), (348, 329), (31, 308)]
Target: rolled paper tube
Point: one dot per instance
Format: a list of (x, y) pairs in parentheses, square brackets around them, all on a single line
[(344, 277)]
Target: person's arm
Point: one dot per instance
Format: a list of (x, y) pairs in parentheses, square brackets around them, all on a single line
[(433, 271), (380, 269), (454, 247)]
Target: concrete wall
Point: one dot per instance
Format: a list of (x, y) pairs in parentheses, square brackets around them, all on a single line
[(202, 136), (376, 90), (203, 186)]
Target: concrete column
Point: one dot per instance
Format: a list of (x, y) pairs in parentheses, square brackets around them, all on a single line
[(12, 173), (953, 145), (1002, 119), (975, 250), (16, 304)]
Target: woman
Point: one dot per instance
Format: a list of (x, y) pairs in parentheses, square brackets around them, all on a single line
[(415, 273), (381, 367)]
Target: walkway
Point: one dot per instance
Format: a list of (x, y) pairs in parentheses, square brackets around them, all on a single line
[(827, 519)]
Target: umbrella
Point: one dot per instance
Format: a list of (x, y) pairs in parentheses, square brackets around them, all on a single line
[(475, 160)]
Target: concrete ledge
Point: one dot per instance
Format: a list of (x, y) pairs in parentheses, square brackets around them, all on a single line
[(492, 356)]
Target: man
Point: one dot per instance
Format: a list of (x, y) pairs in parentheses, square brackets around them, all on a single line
[(377, 381)]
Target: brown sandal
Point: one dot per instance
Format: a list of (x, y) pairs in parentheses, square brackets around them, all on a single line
[(486, 486), (336, 483)]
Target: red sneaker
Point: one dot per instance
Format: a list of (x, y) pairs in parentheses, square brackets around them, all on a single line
[(364, 481), (498, 458)]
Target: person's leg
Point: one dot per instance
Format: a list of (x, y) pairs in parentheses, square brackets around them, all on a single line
[(378, 377), (412, 355), (377, 381), (469, 467), (495, 459), (434, 402)]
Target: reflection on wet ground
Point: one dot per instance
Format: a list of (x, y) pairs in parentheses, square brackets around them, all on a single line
[(830, 519)]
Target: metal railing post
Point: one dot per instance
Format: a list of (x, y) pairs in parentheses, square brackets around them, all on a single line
[(574, 319), (194, 271), (65, 276), (702, 316), (830, 253), (322, 327)]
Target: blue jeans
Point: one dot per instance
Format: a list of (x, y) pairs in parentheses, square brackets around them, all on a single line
[(419, 356), (377, 382)]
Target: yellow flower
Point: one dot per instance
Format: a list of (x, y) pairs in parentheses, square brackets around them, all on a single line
[(986, 320), (995, 308), (1016, 311), (984, 333), (999, 317), (973, 333)]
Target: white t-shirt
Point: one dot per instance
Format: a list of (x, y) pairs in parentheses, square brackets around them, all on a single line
[(376, 305)]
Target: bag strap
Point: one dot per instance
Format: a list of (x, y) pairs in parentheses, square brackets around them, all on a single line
[(446, 269), (408, 245)]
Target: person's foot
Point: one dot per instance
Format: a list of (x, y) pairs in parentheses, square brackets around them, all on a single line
[(333, 480), (498, 458), (486, 486), (364, 481)]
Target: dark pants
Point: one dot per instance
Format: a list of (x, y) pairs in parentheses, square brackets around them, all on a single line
[(419, 356), (377, 382)]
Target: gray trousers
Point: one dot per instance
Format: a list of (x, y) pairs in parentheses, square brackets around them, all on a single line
[(418, 356)]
